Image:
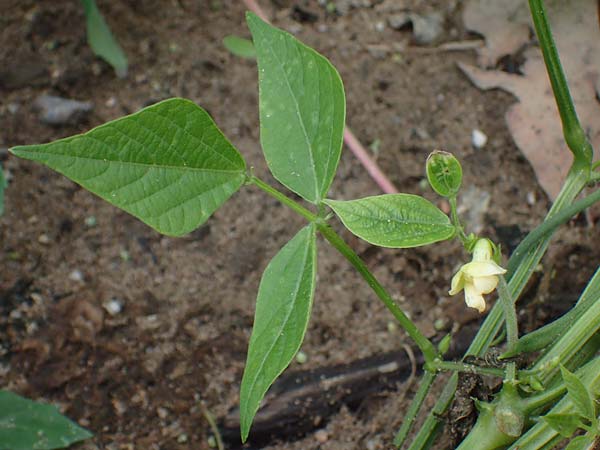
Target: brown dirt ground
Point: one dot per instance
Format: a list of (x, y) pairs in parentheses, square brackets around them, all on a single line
[(137, 379)]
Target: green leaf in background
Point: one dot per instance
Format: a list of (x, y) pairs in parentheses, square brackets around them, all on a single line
[(444, 173), (168, 164), (27, 425), (302, 111), (564, 424), (102, 41), (241, 47), (283, 308), (583, 400), (394, 220), (3, 185)]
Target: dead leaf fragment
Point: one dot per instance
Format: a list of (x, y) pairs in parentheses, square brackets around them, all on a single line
[(534, 121), (504, 23)]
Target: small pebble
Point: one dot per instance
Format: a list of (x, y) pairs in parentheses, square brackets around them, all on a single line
[(212, 442), (113, 306), (182, 438), (478, 139), (380, 26), (76, 275), (44, 239), (531, 198), (111, 102), (427, 28), (162, 412), (124, 255), (90, 221), (301, 357), (439, 324), (392, 327), (321, 436), (61, 111)]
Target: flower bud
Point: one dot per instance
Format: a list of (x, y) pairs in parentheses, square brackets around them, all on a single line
[(444, 173)]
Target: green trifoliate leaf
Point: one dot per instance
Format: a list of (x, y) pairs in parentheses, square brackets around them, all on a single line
[(101, 40), (564, 424), (3, 185), (302, 111), (583, 400), (444, 173), (283, 308), (168, 164), (241, 47), (26, 425), (394, 220)]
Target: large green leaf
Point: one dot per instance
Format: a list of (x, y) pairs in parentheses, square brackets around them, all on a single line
[(283, 308), (26, 425), (302, 111), (102, 41), (168, 164), (394, 220)]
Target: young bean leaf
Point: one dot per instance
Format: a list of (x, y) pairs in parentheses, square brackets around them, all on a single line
[(302, 111), (101, 40), (26, 425), (564, 424), (283, 308), (241, 47), (168, 164), (394, 220), (580, 442), (583, 400)]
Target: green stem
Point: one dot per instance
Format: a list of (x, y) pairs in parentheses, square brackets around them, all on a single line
[(308, 215), (573, 131), (457, 366), (548, 226), (510, 313), (424, 344), (456, 220), (544, 398), (576, 180), (415, 406)]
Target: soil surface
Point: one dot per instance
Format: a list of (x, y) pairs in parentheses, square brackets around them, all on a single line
[(135, 335)]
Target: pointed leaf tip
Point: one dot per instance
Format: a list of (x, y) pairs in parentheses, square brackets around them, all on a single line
[(302, 111), (283, 308)]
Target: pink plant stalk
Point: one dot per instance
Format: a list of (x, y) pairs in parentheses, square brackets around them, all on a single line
[(351, 141)]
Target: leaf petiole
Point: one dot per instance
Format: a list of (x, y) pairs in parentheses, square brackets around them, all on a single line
[(424, 344)]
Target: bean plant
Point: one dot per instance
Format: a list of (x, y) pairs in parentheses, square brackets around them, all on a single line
[(170, 166)]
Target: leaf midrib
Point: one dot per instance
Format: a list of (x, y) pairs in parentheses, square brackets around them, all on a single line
[(297, 111), (22, 153), (288, 315)]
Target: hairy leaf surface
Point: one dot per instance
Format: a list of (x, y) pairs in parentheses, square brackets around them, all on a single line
[(283, 308), (26, 425), (168, 164), (302, 111), (394, 220)]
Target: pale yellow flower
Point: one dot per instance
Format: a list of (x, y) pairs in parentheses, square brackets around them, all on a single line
[(478, 277)]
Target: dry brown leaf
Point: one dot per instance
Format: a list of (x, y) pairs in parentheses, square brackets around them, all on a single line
[(534, 121), (503, 23)]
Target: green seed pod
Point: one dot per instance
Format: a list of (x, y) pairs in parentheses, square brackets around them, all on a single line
[(444, 173)]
